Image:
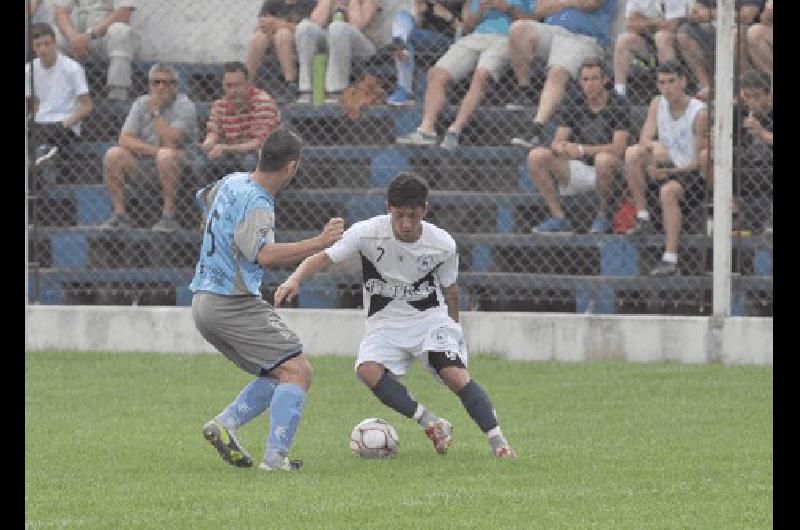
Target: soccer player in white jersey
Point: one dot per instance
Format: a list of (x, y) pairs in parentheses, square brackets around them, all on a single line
[(409, 269), (227, 308), (676, 162)]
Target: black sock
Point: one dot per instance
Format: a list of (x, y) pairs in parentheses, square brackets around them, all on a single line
[(394, 395), (478, 405)]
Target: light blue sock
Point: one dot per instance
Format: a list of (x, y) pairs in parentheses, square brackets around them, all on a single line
[(252, 401), (285, 411), (405, 72)]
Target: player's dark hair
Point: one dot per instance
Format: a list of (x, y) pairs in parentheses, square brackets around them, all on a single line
[(755, 80), (407, 190), (593, 62), (39, 29), (671, 67), (280, 147), (235, 66)]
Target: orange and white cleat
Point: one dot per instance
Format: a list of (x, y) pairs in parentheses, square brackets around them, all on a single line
[(441, 434), (505, 452)]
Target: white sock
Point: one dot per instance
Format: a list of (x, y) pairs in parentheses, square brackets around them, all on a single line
[(644, 215), (670, 257), (495, 432), (619, 88)]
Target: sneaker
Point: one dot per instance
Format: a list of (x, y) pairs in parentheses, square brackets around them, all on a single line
[(521, 101), (441, 434), (554, 226), (304, 98), (600, 225), (400, 97), (45, 153), (664, 268), (642, 227), (450, 140), (527, 143), (166, 224), (116, 222), (505, 452), (227, 444), (417, 138), (286, 465)]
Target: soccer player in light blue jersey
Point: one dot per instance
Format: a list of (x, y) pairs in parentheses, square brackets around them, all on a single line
[(228, 310)]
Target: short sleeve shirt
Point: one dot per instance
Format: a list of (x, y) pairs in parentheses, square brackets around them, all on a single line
[(596, 129), (96, 6), (57, 88), (255, 121), (290, 12), (496, 22), (181, 114), (595, 23), (402, 282), (668, 9)]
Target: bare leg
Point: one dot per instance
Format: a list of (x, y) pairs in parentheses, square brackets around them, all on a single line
[(670, 195), (665, 44), (693, 53), (169, 164), (521, 46), (255, 53), (605, 166), (118, 163), (554, 88), (543, 166), (472, 99), (438, 79), (627, 44), (284, 49), (637, 158), (759, 39)]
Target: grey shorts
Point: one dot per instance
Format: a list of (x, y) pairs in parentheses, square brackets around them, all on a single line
[(246, 330), (561, 47), (476, 50)]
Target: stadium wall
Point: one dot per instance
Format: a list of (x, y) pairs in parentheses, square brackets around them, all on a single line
[(517, 336)]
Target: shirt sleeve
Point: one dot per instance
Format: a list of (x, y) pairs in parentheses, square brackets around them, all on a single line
[(676, 9), (265, 117), (133, 122), (186, 119), (78, 76), (348, 247), (448, 270), (256, 230)]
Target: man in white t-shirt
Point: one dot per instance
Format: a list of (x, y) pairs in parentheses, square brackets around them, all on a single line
[(59, 97), (409, 269), (676, 163), (649, 25)]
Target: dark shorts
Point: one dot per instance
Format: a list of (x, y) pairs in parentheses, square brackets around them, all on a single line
[(693, 184), (246, 330)]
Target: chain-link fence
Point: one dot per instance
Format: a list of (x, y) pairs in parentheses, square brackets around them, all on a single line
[(502, 201)]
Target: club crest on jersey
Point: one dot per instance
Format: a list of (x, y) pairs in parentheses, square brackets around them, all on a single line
[(425, 263)]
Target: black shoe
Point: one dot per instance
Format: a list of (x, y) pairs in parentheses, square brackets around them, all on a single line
[(227, 444), (664, 268), (522, 100), (642, 227)]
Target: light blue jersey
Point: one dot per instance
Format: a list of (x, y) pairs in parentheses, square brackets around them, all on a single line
[(496, 22), (595, 24), (240, 219)]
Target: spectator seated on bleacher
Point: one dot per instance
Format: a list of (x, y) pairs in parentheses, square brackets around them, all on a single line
[(586, 153), (697, 38), (567, 37), (650, 26), (277, 21), (237, 125), (350, 29), (160, 126), (484, 50), (430, 32), (759, 41), (676, 162), (60, 100), (100, 29)]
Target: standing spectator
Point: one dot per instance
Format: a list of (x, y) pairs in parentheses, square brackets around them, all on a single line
[(676, 162), (759, 41), (349, 28), (484, 50), (277, 21), (238, 124), (159, 126), (575, 30), (101, 29), (60, 100), (698, 39), (431, 32), (586, 152), (649, 25)]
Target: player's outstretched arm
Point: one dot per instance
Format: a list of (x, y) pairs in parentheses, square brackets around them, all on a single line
[(451, 299), (288, 253), (308, 268)]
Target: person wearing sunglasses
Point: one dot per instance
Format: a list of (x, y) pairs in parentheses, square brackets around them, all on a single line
[(160, 126)]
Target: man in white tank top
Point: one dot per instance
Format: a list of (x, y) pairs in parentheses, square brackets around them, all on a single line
[(676, 163)]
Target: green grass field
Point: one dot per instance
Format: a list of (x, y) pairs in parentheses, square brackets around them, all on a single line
[(114, 441)]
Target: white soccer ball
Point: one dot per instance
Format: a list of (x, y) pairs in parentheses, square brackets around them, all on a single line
[(374, 438)]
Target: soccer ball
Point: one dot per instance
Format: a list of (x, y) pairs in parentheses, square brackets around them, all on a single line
[(374, 438)]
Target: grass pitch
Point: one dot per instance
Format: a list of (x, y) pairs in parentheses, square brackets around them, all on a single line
[(114, 441)]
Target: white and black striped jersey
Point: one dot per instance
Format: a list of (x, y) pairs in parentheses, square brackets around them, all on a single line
[(402, 281)]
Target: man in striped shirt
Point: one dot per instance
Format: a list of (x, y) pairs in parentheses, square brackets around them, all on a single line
[(237, 125)]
